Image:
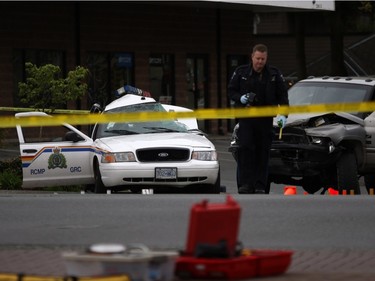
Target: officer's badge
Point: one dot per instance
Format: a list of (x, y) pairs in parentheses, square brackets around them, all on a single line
[(57, 159)]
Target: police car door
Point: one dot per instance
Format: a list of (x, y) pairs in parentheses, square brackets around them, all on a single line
[(54, 155)]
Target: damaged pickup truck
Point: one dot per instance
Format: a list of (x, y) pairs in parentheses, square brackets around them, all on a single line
[(331, 149)]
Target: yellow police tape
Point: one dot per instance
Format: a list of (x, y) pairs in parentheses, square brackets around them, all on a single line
[(225, 113), (21, 277)]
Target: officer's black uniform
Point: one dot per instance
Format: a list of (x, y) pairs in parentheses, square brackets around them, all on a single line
[(255, 134)]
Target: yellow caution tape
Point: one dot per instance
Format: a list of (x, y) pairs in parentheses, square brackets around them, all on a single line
[(225, 113), (21, 277)]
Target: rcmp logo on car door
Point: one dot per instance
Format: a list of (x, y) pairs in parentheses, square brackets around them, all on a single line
[(57, 159)]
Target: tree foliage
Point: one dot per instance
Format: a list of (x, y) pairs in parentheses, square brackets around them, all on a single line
[(45, 88)]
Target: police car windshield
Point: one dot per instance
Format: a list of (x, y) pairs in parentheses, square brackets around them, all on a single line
[(139, 107), (131, 128), (323, 93)]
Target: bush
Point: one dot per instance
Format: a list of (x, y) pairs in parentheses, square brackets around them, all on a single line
[(11, 174), (9, 179)]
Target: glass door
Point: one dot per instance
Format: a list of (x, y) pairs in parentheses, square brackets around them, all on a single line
[(197, 84), (162, 82)]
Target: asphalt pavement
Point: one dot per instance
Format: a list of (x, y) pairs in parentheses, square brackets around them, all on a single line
[(310, 263), (307, 265)]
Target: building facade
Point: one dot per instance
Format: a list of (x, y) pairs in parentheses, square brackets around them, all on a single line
[(182, 52)]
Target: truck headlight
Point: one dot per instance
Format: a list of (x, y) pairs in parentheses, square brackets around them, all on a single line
[(204, 155), (316, 140), (322, 141), (118, 157)]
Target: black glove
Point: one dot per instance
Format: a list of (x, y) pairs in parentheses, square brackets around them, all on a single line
[(251, 97)]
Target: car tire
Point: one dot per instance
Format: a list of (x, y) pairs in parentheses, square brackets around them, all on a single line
[(99, 186), (347, 177), (216, 187), (268, 187), (369, 182)]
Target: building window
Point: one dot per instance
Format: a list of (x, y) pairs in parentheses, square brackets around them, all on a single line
[(108, 72), (36, 57), (162, 84)]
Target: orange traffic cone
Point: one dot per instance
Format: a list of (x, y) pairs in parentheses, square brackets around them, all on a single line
[(332, 191), (290, 190)]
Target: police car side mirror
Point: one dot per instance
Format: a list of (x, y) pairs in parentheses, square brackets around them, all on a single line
[(96, 108), (73, 136)]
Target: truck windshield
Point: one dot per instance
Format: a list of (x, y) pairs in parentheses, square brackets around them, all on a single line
[(321, 93)]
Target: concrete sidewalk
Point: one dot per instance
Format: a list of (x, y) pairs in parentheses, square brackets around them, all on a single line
[(307, 265)]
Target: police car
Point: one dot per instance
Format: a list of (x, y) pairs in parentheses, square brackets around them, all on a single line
[(121, 155)]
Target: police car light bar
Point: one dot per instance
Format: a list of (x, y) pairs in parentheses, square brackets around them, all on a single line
[(127, 89)]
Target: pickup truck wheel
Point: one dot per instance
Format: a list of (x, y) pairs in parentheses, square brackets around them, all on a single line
[(99, 186), (347, 178), (369, 182)]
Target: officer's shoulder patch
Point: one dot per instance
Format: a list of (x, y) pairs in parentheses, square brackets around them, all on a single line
[(276, 72)]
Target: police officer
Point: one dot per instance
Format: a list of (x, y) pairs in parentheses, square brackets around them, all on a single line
[(256, 84)]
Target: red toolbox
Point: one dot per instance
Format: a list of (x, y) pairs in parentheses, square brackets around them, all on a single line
[(257, 263), (213, 252), (212, 224), (272, 262), (222, 269)]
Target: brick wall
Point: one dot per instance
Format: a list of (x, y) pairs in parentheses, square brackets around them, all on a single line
[(144, 28)]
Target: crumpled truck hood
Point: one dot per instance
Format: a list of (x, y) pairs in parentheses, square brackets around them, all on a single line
[(300, 119), (335, 131)]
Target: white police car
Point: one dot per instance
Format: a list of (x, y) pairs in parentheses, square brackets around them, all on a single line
[(121, 155)]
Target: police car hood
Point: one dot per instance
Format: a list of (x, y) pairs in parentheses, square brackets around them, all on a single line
[(134, 142)]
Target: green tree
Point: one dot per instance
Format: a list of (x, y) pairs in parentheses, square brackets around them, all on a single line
[(46, 89)]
